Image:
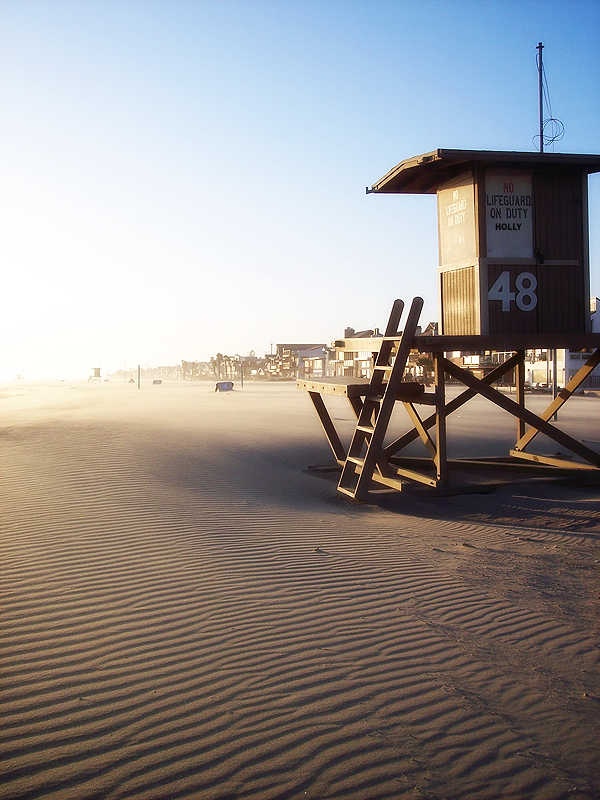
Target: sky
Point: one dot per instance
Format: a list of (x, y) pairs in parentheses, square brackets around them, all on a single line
[(185, 178)]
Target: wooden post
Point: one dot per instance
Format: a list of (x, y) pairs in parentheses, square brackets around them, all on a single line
[(441, 461), (520, 387), (555, 380), (330, 431), (139, 375)]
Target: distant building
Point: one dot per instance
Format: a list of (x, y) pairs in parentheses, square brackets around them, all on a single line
[(595, 314), (354, 358), (288, 361), (355, 354), (431, 329), (195, 370), (313, 363), (171, 372)]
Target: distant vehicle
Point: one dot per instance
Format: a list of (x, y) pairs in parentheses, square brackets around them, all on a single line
[(157, 381), (224, 386)]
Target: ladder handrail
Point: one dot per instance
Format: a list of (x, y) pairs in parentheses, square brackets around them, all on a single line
[(379, 403)]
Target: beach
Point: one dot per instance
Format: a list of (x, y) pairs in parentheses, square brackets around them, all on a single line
[(190, 612)]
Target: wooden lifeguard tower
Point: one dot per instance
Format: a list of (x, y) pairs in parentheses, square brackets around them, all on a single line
[(513, 238), (513, 275)]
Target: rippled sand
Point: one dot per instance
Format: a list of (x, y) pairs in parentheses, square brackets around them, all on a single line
[(188, 612)]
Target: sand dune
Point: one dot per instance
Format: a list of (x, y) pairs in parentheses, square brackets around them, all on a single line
[(189, 613)]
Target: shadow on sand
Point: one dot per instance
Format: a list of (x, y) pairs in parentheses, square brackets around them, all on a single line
[(521, 500)]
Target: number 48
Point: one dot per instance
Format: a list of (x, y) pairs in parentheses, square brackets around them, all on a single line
[(525, 296)]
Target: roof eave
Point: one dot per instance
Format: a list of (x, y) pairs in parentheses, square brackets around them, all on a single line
[(412, 175)]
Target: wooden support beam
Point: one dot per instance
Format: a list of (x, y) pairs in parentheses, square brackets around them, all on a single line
[(356, 404), (492, 463), (418, 423), (393, 473), (529, 417), (440, 459), (563, 396), (520, 387), (328, 426), (392, 483), (453, 405), (359, 345), (502, 342), (552, 461)]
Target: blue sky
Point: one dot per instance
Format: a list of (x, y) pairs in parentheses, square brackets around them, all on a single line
[(187, 177)]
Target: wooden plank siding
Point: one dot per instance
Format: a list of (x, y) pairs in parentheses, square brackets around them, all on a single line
[(559, 236), (558, 215), (561, 304), (460, 310)]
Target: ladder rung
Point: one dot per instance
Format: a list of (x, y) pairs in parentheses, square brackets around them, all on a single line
[(355, 460), (378, 404)]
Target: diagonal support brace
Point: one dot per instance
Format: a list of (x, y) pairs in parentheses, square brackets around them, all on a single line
[(527, 416), (562, 398), (453, 405)]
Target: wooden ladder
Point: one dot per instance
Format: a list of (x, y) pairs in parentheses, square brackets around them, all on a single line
[(375, 414)]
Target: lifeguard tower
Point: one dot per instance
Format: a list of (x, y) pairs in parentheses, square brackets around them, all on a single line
[(513, 275), (513, 238)]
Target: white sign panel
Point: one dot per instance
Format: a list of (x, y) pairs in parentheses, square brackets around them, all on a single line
[(457, 221), (509, 215)]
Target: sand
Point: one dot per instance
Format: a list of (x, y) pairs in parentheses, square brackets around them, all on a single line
[(189, 613)]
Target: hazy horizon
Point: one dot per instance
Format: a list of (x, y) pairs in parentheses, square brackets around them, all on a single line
[(188, 178)]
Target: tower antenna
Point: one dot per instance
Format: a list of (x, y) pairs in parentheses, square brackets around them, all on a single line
[(554, 126), (539, 48)]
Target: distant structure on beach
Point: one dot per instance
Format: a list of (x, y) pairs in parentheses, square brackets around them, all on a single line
[(196, 370), (164, 373), (289, 358), (287, 362), (353, 356)]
